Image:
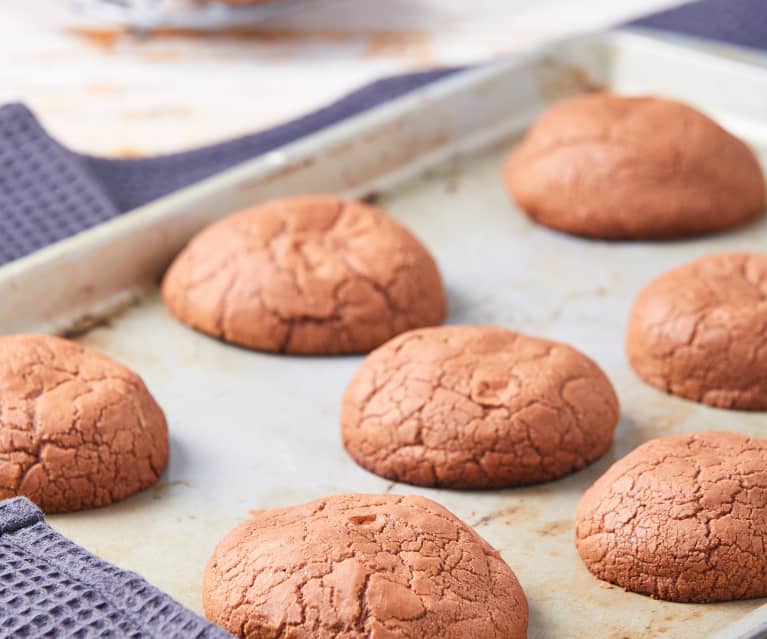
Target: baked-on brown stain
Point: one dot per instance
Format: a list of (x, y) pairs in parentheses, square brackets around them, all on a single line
[(555, 528), (681, 518), (378, 43), (507, 515), (309, 275), (613, 167), (362, 567), (699, 331), (107, 38), (477, 407), (78, 429), (399, 44)]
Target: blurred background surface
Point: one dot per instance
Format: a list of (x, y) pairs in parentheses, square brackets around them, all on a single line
[(102, 89)]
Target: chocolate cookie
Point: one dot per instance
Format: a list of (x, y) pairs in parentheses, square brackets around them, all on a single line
[(681, 518), (362, 567), (613, 167), (700, 331), (78, 430), (477, 407), (311, 275)]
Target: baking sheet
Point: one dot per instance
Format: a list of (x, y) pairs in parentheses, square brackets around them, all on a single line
[(252, 430)]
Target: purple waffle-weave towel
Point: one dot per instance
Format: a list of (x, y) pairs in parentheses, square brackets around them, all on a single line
[(50, 587), (739, 22)]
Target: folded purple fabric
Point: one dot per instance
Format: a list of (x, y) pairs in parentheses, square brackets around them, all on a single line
[(53, 588), (739, 22), (46, 193)]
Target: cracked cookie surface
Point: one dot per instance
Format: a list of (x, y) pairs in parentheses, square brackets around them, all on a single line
[(699, 331), (477, 407), (613, 167), (362, 567), (682, 518), (305, 275), (77, 429)]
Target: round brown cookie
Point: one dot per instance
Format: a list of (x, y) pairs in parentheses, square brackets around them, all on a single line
[(477, 407), (613, 167), (681, 518), (78, 430), (700, 331), (362, 567), (312, 275)]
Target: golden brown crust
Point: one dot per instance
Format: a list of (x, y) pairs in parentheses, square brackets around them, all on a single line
[(612, 167), (78, 429), (362, 567), (310, 275), (681, 518), (477, 407), (699, 331)]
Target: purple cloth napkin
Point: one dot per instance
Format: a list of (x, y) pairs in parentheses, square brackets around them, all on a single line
[(50, 587), (739, 22)]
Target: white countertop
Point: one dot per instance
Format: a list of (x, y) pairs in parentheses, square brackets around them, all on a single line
[(101, 90)]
